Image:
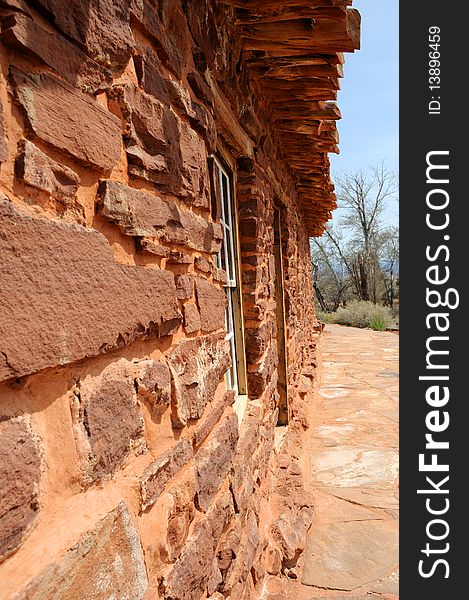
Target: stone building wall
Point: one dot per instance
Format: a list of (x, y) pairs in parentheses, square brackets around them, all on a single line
[(127, 469)]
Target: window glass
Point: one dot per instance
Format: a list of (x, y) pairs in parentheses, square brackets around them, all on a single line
[(226, 261)]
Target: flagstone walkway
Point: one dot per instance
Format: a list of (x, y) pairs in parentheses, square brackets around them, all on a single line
[(351, 461)]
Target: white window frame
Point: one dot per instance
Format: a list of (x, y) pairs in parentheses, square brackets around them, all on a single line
[(227, 259)]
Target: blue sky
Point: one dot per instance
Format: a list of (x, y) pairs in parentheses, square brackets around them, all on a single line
[(369, 95)]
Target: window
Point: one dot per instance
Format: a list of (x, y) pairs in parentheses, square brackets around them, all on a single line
[(227, 260)]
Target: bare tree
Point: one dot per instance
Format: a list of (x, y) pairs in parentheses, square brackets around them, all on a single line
[(332, 271), (363, 196), (358, 255), (390, 263)]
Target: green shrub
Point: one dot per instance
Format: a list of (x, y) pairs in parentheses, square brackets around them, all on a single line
[(364, 314), (324, 316), (377, 324)]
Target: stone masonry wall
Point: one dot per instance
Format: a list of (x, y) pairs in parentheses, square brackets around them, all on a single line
[(126, 468)]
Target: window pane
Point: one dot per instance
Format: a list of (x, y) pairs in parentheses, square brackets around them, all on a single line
[(226, 260)]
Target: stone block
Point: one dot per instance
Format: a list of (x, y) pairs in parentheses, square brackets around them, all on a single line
[(70, 300), (142, 214), (200, 88), (3, 138), (289, 530), (20, 472), (151, 247), (26, 36), (101, 29), (149, 18), (213, 460), (200, 119), (219, 275), (241, 566), (14, 6), (156, 475), (242, 472), (154, 385), (147, 133), (42, 172), (150, 74), (202, 264), (192, 167), (107, 421), (179, 258), (70, 121), (106, 562), (161, 147), (190, 575), (212, 303), (272, 559), (191, 318), (197, 366), (257, 340), (263, 374), (209, 422), (184, 286), (181, 513)]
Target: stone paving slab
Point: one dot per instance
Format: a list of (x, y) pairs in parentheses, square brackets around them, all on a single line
[(352, 547), (345, 556), (350, 460)]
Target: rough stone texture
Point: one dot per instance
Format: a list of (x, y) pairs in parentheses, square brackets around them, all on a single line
[(151, 247), (179, 258), (191, 573), (202, 264), (242, 476), (20, 471), (67, 119), (154, 385), (101, 28), (23, 34), (184, 286), (103, 440), (240, 568), (155, 476), (141, 214), (197, 366), (13, 6), (213, 416), (272, 559), (180, 515), (191, 318), (174, 77), (290, 532), (212, 461), (219, 275), (39, 170), (192, 165), (200, 119), (107, 562), (161, 148), (3, 140), (168, 29), (149, 70), (148, 126), (70, 276), (212, 302)]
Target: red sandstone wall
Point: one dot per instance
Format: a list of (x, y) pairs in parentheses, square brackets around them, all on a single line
[(124, 469)]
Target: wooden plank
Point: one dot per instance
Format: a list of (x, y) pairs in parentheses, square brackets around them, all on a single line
[(234, 134), (324, 33)]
